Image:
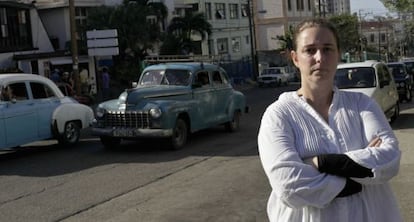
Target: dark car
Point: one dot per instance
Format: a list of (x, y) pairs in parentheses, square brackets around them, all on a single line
[(403, 80)]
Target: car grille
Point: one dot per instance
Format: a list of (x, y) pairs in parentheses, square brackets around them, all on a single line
[(130, 119)]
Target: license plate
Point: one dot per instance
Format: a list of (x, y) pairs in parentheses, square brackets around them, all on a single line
[(124, 133)]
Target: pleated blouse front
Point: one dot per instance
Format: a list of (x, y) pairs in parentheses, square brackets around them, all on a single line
[(291, 131)]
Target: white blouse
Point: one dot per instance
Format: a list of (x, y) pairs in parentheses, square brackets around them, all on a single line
[(291, 131)]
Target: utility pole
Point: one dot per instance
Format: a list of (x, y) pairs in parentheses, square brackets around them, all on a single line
[(252, 39), (74, 47)]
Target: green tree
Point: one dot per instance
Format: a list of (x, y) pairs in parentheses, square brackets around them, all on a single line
[(181, 29), (286, 41), (347, 26), (135, 34), (404, 6)]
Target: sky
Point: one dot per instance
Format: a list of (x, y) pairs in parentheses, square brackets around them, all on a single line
[(368, 6)]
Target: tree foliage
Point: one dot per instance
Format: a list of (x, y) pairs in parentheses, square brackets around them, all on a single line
[(135, 34), (347, 26), (180, 31), (404, 6)]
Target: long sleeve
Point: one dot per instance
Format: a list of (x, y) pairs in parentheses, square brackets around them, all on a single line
[(297, 184), (385, 159)]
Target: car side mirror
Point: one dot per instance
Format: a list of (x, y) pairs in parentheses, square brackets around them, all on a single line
[(134, 84)]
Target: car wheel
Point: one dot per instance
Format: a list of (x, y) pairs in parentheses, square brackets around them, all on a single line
[(396, 112), (279, 82), (110, 142), (71, 133), (180, 134), (234, 124)]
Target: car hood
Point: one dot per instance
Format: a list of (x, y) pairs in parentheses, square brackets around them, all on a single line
[(367, 91), (271, 75), (141, 95)]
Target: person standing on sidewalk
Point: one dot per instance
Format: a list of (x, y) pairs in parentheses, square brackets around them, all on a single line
[(328, 154), (105, 84)]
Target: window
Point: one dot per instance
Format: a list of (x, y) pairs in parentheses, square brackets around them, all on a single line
[(309, 5), (234, 11), (299, 5), (217, 78), (208, 11), (202, 79), (289, 5), (81, 15), (247, 40), (235, 44), (222, 45), (245, 10), (18, 91), (383, 37), (220, 11), (3, 22), (41, 91), (15, 30), (372, 38)]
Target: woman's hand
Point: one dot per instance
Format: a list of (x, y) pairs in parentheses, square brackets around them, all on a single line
[(376, 142)]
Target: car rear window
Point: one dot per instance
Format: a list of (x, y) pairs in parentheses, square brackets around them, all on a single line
[(397, 71), (360, 77)]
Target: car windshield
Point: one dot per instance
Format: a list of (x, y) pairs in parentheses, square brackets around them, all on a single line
[(397, 71), (165, 77), (361, 77)]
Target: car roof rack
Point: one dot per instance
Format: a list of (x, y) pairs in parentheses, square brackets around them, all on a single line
[(157, 59)]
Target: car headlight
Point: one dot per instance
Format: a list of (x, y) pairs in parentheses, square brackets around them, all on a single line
[(155, 112), (99, 112)]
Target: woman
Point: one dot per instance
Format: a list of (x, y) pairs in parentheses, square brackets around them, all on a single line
[(328, 154)]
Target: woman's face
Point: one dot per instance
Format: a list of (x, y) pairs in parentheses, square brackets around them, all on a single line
[(316, 55)]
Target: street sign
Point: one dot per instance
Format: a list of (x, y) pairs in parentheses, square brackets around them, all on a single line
[(102, 42)]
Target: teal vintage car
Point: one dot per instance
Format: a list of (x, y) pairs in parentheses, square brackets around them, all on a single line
[(171, 101)]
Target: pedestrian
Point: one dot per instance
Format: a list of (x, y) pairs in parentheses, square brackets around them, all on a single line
[(55, 77), (328, 154), (84, 81), (105, 83)]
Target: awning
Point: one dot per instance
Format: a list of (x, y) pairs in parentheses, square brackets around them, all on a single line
[(65, 60)]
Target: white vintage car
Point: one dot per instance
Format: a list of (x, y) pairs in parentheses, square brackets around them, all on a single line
[(273, 76), (32, 108)]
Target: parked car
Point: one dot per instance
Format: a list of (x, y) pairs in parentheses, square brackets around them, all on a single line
[(273, 76), (170, 101), (403, 79), (32, 108), (373, 79)]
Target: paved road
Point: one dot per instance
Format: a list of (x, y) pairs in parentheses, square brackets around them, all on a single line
[(217, 177)]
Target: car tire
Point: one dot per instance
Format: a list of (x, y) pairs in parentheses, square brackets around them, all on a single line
[(396, 112), (180, 134), (110, 142), (234, 124), (71, 133)]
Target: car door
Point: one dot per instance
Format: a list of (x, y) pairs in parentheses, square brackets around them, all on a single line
[(222, 96), (20, 116), (203, 93), (46, 102), (387, 88)]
